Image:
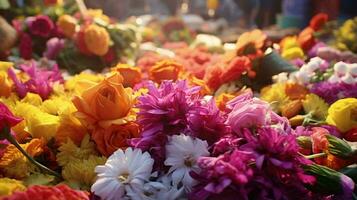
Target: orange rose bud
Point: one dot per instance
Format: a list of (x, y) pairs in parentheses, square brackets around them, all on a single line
[(291, 109), (295, 91), (103, 102), (115, 137), (68, 25), (165, 70), (96, 39), (131, 75)]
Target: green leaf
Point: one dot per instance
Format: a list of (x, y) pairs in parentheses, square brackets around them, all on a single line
[(39, 179), (339, 147)]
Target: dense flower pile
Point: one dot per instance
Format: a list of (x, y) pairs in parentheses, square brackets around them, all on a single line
[(166, 129)]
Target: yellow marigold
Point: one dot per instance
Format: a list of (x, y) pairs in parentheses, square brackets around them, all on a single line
[(5, 85), (96, 39), (343, 114), (316, 106), (33, 99), (57, 105), (38, 123), (67, 24), (8, 186), (70, 152), (293, 53), (80, 174), (97, 13), (82, 81), (275, 94), (14, 164)]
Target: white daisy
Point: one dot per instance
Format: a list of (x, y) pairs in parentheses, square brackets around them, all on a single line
[(182, 153), (123, 172)]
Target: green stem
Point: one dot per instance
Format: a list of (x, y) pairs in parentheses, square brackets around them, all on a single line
[(318, 155), (13, 141)]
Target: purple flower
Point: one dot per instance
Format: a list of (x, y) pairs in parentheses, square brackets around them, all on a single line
[(332, 92), (40, 80), (298, 62), (207, 122), (227, 143), (313, 51), (222, 173), (54, 46)]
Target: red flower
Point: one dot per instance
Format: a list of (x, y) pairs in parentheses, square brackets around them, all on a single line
[(25, 46), (40, 192), (351, 135), (318, 21), (319, 142), (81, 44), (236, 68), (42, 26), (306, 38), (7, 119)]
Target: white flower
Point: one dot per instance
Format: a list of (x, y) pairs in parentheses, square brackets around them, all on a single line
[(163, 189), (352, 69), (348, 79), (122, 173), (334, 79), (182, 153), (302, 77), (340, 68)]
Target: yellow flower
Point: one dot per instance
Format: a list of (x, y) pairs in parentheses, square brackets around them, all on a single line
[(316, 106), (275, 94), (5, 85), (57, 105), (4, 66), (8, 186), (96, 39), (69, 152), (38, 123), (80, 174), (67, 24), (14, 164), (343, 114), (97, 13), (33, 99), (82, 81), (293, 53)]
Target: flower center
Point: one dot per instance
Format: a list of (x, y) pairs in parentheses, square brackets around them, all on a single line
[(123, 178), (189, 161)]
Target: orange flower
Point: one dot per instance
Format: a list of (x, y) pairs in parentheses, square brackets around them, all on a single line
[(70, 127), (222, 100), (254, 39), (295, 91), (114, 137), (5, 85), (165, 70), (318, 21), (96, 39), (105, 103), (131, 75), (306, 38), (291, 109), (212, 75), (67, 24), (199, 82)]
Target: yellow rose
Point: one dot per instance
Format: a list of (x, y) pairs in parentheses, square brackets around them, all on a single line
[(105, 103), (96, 39), (165, 70), (68, 25), (343, 114), (131, 75)]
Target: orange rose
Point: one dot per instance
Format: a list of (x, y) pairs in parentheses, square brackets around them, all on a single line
[(114, 137), (254, 39), (5, 85), (96, 39), (67, 24), (131, 75), (105, 103), (165, 70)]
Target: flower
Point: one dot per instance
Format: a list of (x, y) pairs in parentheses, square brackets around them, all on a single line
[(14, 164), (53, 47), (318, 21), (82, 81), (235, 68), (80, 42), (332, 92), (306, 38), (25, 46), (80, 173), (131, 75), (276, 95), (58, 192), (122, 173), (182, 153), (343, 114), (293, 53), (67, 24), (316, 106), (219, 174), (222, 100), (40, 81), (41, 25), (95, 102), (96, 39), (115, 137), (5, 85), (255, 39), (9, 186), (7, 119), (165, 70), (162, 189)]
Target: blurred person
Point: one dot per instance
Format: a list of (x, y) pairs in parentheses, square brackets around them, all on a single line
[(250, 10)]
